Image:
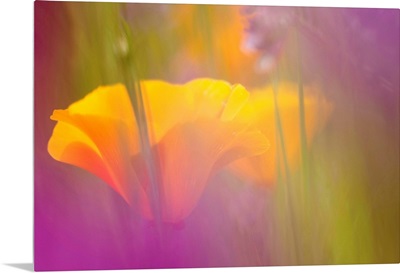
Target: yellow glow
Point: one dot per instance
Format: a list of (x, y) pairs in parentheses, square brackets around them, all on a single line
[(261, 111)]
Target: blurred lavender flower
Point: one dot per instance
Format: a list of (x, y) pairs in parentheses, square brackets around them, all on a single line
[(352, 44), (266, 32)]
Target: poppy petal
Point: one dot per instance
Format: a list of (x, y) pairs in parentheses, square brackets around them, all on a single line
[(263, 169), (94, 134), (190, 154)]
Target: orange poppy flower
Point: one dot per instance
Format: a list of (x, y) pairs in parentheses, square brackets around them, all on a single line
[(195, 129)]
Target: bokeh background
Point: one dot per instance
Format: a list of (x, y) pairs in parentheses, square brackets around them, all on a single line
[(340, 206)]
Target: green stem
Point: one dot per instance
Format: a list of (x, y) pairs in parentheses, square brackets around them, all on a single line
[(302, 115), (287, 189), (132, 80)]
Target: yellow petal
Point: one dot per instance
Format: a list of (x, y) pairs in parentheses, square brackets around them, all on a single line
[(106, 101), (210, 97), (98, 134), (263, 169), (236, 101), (165, 105), (168, 104)]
